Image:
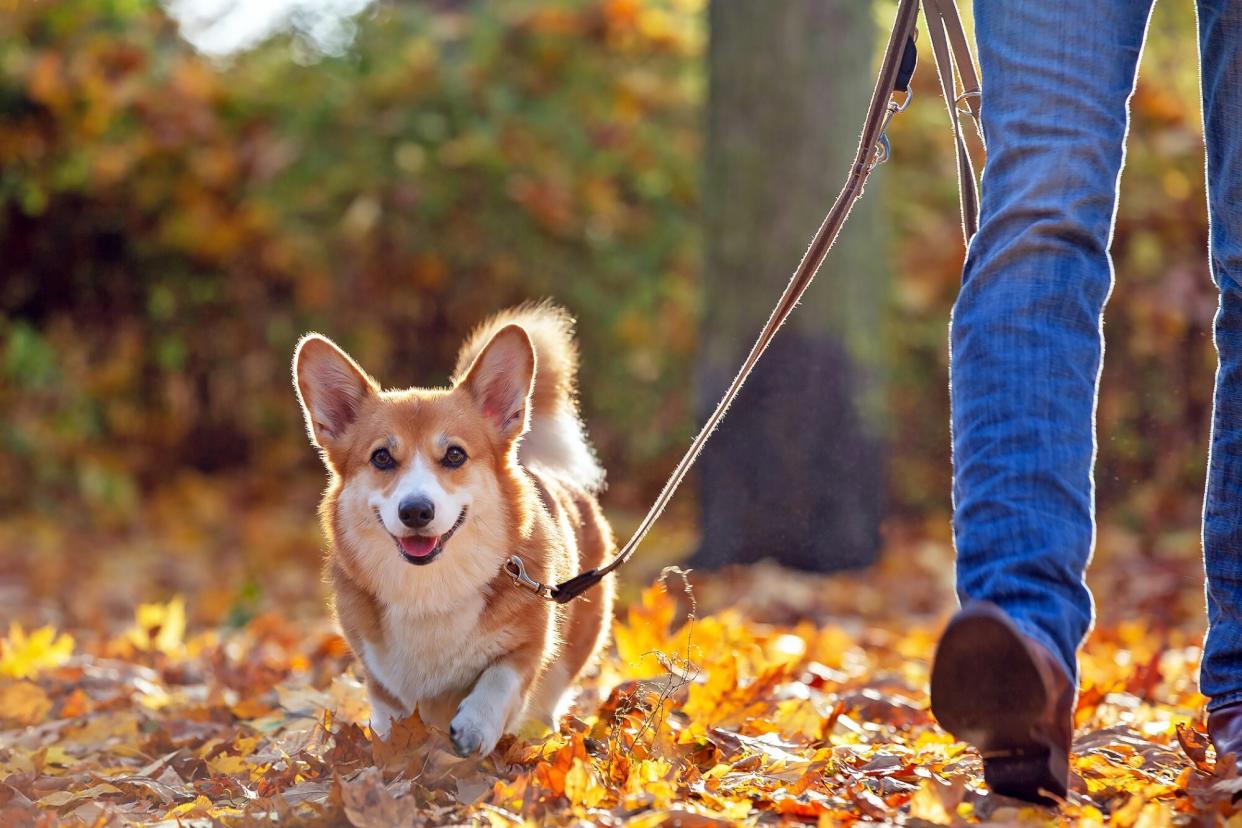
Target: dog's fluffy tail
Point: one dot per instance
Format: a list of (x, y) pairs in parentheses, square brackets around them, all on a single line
[(556, 441)]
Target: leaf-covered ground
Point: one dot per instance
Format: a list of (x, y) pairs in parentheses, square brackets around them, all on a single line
[(781, 698)]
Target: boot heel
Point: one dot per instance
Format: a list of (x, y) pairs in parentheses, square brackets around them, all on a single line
[(1004, 693), (1027, 774)]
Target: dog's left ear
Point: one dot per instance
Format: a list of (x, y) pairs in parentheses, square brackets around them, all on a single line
[(501, 379)]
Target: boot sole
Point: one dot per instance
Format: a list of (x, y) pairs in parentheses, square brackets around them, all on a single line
[(987, 690)]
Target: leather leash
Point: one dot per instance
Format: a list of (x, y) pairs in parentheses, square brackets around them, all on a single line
[(954, 65)]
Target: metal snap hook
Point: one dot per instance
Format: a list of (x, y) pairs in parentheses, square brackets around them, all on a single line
[(516, 570), (883, 149)]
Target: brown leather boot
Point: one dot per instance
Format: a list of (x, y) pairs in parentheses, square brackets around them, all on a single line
[(1225, 730), (1003, 692)]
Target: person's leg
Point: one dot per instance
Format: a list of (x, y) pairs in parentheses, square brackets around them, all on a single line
[(1026, 340), (1026, 346), (1220, 45)]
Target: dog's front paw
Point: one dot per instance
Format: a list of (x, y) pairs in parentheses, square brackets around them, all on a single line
[(473, 731)]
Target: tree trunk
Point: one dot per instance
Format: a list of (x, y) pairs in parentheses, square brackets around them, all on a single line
[(796, 471)]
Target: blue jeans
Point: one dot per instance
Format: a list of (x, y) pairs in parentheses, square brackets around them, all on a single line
[(1026, 337)]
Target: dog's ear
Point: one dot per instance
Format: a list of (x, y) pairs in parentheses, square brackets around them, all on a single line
[(331, 388), (501, 380)]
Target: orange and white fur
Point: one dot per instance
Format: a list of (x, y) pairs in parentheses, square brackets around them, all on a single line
[(430, 491)]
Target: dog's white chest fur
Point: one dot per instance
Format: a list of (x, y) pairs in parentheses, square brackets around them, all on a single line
[(423, 656)]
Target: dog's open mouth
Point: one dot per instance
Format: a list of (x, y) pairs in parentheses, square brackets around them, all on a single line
[(423, 549)]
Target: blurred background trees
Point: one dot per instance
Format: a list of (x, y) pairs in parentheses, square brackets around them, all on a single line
[(788, 81), (170, 222)]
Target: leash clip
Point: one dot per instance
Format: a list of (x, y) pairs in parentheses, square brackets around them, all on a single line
[(516, 570), (883, 150)]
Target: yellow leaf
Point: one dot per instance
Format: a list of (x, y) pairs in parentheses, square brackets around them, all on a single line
[(926, 804), (798, 717), (646, 771), (60, 798), (251, 708), (24, 702), (1090, 816), (705, 699), (114, 727), (202, 803), (56, 756), (22, 655), (160, 626), (228, 765), (649, 784), (56, 799), (645, 632), (582, 787), (1155, 815), (245, 745), (350, 700)]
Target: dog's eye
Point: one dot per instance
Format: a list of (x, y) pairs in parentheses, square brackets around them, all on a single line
[(454, 457), (382, 460)]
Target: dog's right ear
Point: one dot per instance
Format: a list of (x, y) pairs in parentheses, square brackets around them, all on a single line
[(331, 388)]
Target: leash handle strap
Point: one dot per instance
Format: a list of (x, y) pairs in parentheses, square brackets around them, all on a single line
[(952, 52), (895, 70)]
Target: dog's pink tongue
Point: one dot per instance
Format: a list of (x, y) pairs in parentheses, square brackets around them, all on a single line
[(417, 546)]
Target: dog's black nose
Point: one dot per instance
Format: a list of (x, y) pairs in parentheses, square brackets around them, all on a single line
[(416, 512)]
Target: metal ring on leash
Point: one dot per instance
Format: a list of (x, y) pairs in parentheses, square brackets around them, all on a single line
[(969, 93)]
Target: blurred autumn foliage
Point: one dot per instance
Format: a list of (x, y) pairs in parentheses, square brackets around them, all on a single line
[(778, 701), (170, 225)]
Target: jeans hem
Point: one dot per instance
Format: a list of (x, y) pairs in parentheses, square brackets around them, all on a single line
[(1224, 699)]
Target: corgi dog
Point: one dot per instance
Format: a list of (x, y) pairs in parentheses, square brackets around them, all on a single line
[(430, 491)]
